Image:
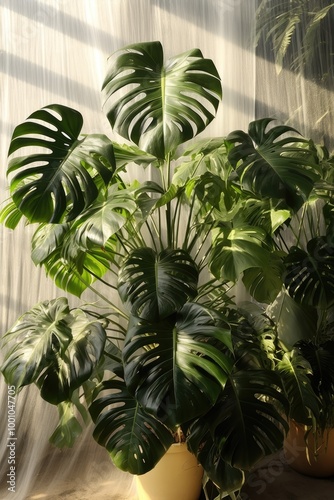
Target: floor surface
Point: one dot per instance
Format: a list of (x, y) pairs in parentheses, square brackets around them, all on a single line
[(273, 479)]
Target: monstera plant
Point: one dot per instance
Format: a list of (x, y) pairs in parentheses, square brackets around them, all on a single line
[(159, 230), (280, 244)]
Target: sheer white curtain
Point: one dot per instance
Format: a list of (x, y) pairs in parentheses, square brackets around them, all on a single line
[(55, 51)]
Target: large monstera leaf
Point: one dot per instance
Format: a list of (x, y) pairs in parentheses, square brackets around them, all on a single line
[(30, 344), (134, 439), (264, 283), (273, 164), (77, 363), (309, 276), (53, 347), (64, 177), (155, 285), (238, 249), (246, 423), (177, 367), (157, 106)]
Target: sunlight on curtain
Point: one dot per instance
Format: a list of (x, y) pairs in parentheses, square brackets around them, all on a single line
[(55, 51), (295, 66)]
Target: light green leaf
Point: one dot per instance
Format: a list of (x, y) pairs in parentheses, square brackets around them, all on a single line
[(238, 250), (295, 372)]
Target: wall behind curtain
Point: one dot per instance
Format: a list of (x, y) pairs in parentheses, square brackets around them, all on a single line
[(56, 52)]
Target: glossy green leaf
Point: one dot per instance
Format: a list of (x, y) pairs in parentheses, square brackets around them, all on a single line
[(207, 155), (295, 372), (161, 106), (71, 266), (64, 178), (53, 347), (33, 341), (46, 240), (103, 219), (81, 269), (156, 285), (134, 439), (273, 164), (181, 358), (126, 154), (246, 424), (70, 370), (309, 275), (239, 249)]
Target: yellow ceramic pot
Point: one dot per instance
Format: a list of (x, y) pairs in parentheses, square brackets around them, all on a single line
[(177, 476), (317, 459)]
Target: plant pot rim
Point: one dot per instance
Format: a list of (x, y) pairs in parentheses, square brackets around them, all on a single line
[(177, 448)]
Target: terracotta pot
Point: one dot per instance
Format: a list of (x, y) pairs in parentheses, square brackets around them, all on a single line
[(176, 477), (317, 459)]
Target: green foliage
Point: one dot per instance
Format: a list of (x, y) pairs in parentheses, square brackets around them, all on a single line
[(176, 359), (54, 347), (170, 279), (295, 372), (148, 112), (271, 164), (65, 181), (134, 439), (170, 244), (289, 20)]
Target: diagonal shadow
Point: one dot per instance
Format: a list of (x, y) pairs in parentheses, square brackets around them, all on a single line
[(59, 20)]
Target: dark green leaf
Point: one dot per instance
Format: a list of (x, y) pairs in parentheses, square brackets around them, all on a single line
[(177, 367), (264, 283), (309, 275), (156, 285), (134, 439), (163, 106), (32, 343), (272, 164), (246, 423), (201, 443), (64, 178)]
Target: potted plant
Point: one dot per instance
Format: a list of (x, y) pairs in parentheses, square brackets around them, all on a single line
[(136, 221), (308, 375), (280, 244)]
